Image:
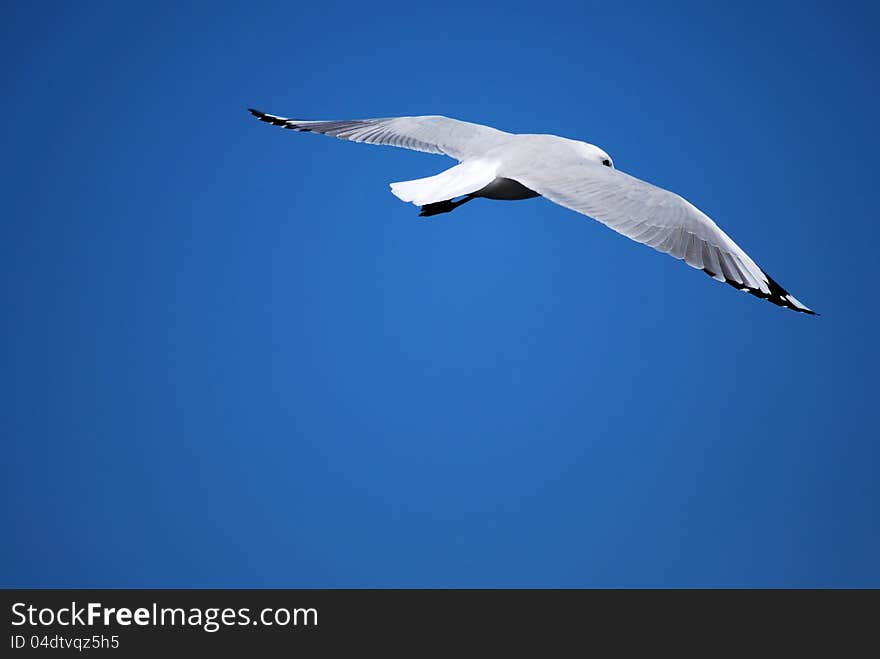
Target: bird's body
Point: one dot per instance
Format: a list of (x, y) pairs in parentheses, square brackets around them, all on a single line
[(578, 175)]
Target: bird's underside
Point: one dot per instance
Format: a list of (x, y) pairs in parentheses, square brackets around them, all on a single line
[(498, 165), (500, 188)]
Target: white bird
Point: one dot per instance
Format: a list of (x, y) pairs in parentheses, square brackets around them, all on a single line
[(574, 174)]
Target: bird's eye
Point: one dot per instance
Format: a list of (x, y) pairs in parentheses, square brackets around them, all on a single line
[(606, 162)]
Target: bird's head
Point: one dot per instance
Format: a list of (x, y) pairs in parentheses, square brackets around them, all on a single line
[(594, 154)]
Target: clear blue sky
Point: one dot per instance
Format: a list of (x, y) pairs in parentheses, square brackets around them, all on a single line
[(232, 358)]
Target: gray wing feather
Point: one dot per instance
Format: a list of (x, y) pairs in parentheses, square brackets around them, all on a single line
[(655, 217), (431, 134)]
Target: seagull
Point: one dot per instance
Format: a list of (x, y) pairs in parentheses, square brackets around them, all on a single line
[(493, 164)]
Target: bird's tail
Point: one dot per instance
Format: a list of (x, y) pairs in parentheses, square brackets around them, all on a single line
[(462, 179)]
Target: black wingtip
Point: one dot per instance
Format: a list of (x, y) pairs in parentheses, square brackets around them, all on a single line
[(275, 121), (777, 295)]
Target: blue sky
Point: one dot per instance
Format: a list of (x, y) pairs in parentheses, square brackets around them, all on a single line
[(233, 359)]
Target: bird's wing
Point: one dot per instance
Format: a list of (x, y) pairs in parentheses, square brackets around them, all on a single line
[(655, 217), (432, 134)]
